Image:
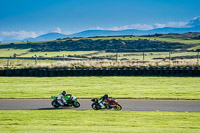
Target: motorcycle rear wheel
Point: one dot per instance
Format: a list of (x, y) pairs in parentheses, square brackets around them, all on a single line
[(118, 107)]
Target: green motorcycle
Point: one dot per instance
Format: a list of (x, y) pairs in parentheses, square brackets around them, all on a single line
[(71, 102)]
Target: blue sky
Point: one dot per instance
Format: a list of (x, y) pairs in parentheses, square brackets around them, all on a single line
[(28, 18)]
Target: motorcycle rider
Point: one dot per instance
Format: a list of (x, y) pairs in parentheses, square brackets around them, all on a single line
[(102, 101), (61, 98)]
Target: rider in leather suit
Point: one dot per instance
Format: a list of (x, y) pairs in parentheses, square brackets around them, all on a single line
[(102, 101)]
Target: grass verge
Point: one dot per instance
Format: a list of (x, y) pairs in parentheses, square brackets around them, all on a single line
[(90, 87), (99, 121)]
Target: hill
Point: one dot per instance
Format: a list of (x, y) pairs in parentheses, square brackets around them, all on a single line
[(45, 37), (192, 26)]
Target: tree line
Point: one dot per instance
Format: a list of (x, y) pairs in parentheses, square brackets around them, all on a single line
[(141, 45)]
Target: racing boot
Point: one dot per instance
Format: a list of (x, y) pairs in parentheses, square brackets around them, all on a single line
[(60, 102), (65, 103), (102, 106)]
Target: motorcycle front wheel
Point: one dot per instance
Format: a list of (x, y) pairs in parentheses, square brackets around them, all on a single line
[(118, 107), (95, 106), (54, 104), (77, 105)]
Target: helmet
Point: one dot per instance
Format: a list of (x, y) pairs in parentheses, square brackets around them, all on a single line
[(106, 96), (64, 93)]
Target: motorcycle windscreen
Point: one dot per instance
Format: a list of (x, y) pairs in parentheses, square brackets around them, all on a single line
[(73, 98), (66, 98)]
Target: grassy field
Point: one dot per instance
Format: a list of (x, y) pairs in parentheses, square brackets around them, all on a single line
[(21, 61), (192, 41), (26, 42), (54, 54), (174, 40), (127, 55), (11, 52), (148, 55), (99, 121), (150, 38), (90, 87), (128, 59), (194, 48), (26, 53)]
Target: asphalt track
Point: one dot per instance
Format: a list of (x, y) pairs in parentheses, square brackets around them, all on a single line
[(127, 104)]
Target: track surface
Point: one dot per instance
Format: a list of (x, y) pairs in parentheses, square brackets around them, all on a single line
[(131, 105)]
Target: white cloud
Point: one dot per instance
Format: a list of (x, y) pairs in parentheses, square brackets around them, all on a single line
[(56, 30), (177, 24), (125, 27), (69, 32), (18, 35), (157, 25), (171, 24), (198, 17), (133, 26), (144, 26), (99, 28)]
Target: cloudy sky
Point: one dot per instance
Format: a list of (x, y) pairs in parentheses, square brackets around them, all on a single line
[(21, 19)]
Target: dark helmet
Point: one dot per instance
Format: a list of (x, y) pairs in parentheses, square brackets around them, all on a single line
[(106, 96), (64, 93)]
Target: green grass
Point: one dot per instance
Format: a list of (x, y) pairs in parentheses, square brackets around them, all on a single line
[(26, 42), (128, 55), (54, 54), (26, 53), (192, 41), (194, 48), (11, 52), (151, 38), (90, 87), (99, 121), (21, 63), (148, 55), (175, 40)]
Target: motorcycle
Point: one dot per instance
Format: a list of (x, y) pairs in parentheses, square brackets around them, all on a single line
[(72, 101), (109, 103)]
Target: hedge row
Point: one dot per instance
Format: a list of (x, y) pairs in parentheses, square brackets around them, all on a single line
[(99, 72)]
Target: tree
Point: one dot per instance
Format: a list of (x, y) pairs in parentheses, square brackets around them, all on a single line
[(14, 55)]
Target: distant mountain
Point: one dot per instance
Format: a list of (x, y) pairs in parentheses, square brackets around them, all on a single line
[(192, 26), (46, 37), (194, 22), (165, 30), (90, 33)]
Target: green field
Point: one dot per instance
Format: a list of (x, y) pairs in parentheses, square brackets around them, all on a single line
[(90, 87), (194, 48), (151, 38), (191, 41), (26, 42), (26, 53), (148, 56), (11, 52), (54, 54), (99, 121), (123, 55), (24, 62), (175, 40)]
